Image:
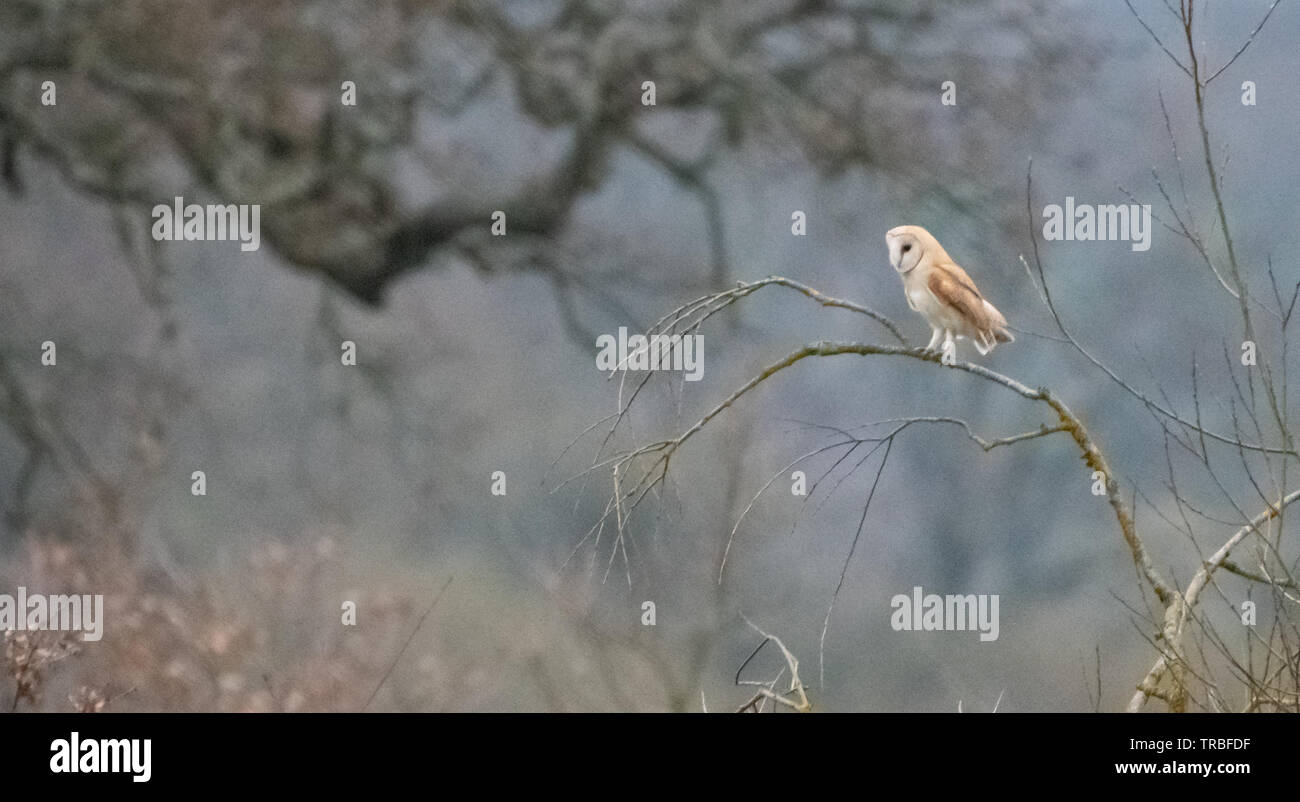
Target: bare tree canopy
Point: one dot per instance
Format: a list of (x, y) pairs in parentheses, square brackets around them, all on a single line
[(237, 101)]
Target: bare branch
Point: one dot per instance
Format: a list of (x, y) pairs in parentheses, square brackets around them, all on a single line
[(1249, 40), (1177, 614)]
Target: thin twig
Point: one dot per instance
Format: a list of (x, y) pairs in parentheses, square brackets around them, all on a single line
[(409, 638)]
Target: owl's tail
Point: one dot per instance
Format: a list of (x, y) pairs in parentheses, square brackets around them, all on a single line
[(997, 331), (988, 340)]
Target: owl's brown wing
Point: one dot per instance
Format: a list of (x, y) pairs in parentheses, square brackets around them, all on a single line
[(952, 287)]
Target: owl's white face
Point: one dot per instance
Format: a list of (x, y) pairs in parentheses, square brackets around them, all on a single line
[(905, 248)]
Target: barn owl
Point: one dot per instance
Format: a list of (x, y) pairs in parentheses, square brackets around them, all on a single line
[(942, 292)]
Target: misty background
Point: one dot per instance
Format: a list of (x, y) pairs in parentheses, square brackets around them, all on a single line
[(371, 483)]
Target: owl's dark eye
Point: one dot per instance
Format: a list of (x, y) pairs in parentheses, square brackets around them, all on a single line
[(907, 248)]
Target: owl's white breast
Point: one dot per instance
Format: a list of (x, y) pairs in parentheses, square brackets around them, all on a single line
[(921, 299), (938, 315)]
